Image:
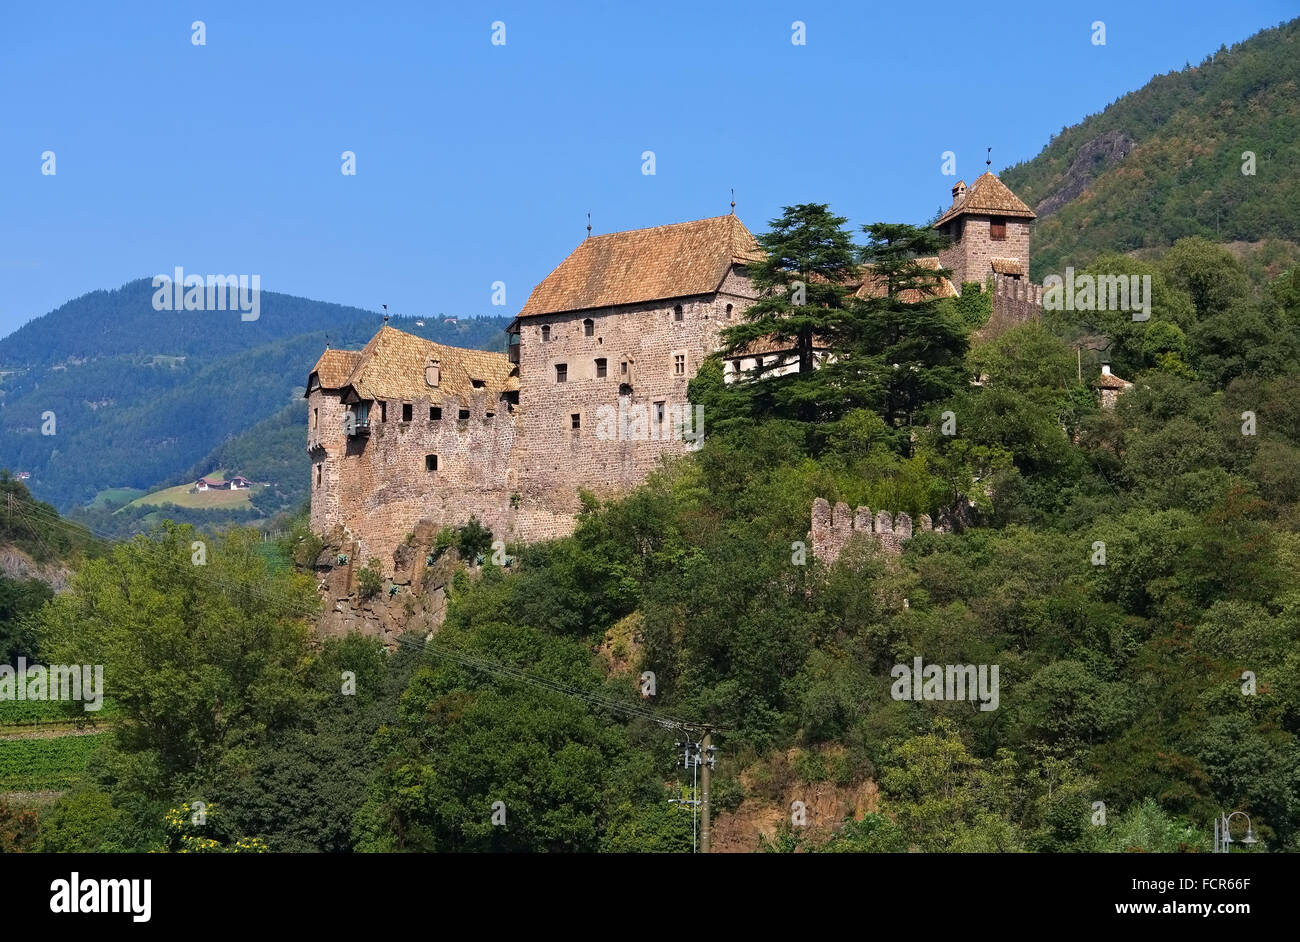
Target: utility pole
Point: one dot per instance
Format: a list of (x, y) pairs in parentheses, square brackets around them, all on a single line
[(706, 836), (700, 758)]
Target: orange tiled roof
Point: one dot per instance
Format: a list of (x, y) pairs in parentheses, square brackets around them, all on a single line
[(334, 367), (987, 196), (1007, 266), (645, 265), (874, 287), (392, 366)]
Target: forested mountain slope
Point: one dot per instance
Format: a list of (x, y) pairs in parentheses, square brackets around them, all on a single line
[(1166, 161)]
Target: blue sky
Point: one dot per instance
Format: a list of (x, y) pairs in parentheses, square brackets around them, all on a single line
[(477, 163)]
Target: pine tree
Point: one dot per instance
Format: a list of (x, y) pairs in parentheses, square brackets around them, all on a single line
[(802, 283)]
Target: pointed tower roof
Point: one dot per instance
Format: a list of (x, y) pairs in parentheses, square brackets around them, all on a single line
[(673, 261), (987, 196)]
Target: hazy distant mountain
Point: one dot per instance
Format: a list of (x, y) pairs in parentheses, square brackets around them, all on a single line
[(140, 396)]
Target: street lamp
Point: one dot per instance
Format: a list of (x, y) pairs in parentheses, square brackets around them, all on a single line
[(1223, 834)]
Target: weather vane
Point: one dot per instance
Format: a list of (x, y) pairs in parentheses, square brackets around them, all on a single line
[(988, 161), (588, 225)]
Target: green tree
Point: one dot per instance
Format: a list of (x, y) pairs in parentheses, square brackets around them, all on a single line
[(1208, 273), (802, 282), (200, 659), (82, 821), (902, 348)]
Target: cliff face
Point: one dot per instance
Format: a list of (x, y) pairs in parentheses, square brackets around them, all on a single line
[(1092, 159), (413, 599), (17, 565)]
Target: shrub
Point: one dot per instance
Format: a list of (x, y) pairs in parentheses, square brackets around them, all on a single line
[(370, 578)]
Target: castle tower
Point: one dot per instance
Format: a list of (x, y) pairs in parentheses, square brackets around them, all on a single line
[(989, 228)]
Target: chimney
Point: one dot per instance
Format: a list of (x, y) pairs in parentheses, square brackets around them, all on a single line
[(958, 191)]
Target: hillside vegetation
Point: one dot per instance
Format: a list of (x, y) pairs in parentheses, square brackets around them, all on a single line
[(1165, 161), (1158, 678)]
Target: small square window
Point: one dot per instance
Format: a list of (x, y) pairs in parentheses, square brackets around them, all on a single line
[(435, 413), (463, 415), (998, 228), (561, 372), (601, 368), (431, 462), (407, 411), (575, 420)]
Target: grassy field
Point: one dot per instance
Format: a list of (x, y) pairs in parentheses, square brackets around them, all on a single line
[(33, 765), (115, 495), (202, 500)]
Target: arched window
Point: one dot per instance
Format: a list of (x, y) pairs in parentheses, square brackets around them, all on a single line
[(588, 327), (546, 332), (728, 310), (677, 313)]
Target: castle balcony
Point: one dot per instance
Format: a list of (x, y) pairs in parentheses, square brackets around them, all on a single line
[(357, 421)]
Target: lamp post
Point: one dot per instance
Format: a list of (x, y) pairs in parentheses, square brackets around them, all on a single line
[(1223, 834)]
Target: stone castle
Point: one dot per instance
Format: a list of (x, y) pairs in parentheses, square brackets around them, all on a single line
[(408, 433)]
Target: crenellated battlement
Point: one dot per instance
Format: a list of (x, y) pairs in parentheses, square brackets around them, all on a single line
[(832, 528)]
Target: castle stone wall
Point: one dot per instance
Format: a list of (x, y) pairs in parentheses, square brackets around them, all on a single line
[(621, 437), (971, 258), (376, 486), (519, 471), (833, 528)]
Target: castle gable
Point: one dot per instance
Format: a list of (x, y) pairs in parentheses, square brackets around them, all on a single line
[(334, 367), (643, 265), (987, 196)]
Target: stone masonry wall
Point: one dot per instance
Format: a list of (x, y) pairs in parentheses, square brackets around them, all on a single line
[(519, 472), (833, 529), (969, 259), (376, 487), (639, 344), (1015, 301)]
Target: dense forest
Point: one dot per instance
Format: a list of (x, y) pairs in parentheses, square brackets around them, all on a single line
[(1173, 159), (1131, 571)]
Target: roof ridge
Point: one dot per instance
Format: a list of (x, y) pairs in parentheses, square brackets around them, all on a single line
[(635, 266), (666, 225)]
